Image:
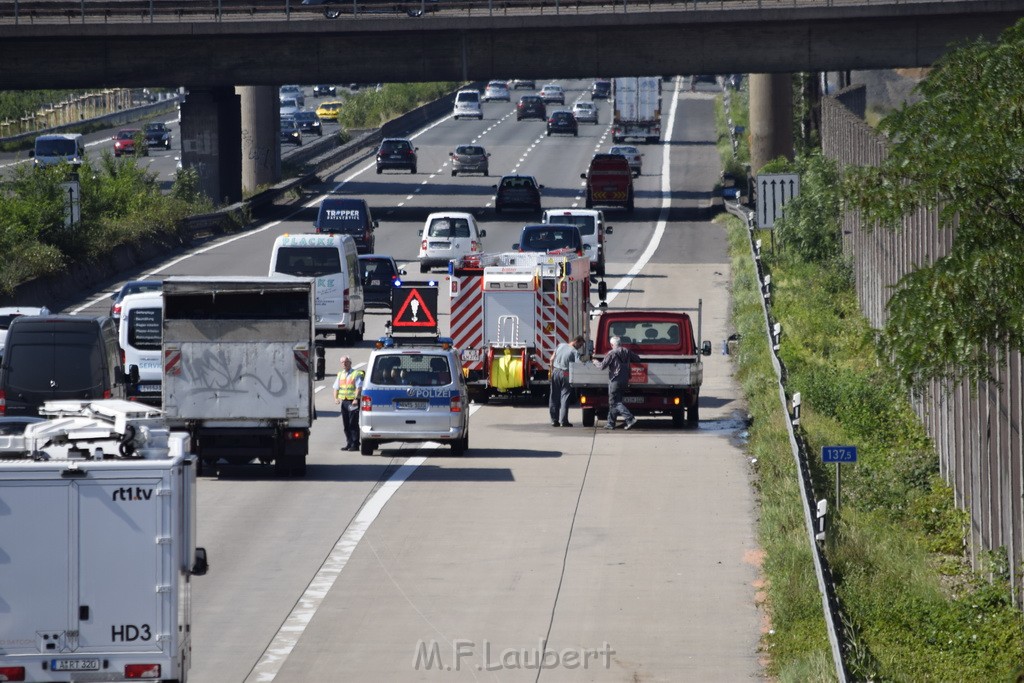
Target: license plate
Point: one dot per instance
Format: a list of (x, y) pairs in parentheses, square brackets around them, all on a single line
[(471, 354), (440, 245), (149, 388), (410, 405), (610, 188), (396, 156), (633, 399), (374, 283), (74, 664)]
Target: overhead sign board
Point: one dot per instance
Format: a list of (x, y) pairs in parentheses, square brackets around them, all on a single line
[(414, 309), (774, 191)]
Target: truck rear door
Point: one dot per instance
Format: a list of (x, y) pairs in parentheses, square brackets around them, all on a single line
[(126, 564), (35, 593)]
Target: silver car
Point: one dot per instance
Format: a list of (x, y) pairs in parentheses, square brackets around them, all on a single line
[(469, 159), (414, 394), (633, 155), (585, 112)]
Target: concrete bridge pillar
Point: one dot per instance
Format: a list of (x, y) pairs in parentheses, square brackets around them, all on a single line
[(261, 151), (771, 118), (211, 142)]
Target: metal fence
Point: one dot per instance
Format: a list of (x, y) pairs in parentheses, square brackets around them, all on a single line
[(976, 429)]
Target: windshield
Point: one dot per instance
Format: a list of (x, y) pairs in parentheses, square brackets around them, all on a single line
[(411, 370), (308, 261), (55, 148)]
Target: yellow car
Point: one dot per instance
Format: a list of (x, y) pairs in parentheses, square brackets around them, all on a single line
[(328, 111)]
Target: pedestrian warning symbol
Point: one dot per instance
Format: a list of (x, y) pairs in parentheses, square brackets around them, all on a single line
[(414, 308)]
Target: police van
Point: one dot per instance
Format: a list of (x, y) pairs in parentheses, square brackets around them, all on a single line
[(414, 393), (140, 333), (332, 259)]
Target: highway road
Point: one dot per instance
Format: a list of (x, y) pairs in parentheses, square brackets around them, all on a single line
[(541, 555)]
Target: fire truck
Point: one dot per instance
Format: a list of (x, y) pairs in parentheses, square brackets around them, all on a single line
[(509, 311)]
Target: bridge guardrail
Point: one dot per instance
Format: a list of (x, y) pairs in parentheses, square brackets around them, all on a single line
[(149, 11)]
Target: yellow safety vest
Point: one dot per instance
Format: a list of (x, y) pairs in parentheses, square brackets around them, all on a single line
[(347, 385)]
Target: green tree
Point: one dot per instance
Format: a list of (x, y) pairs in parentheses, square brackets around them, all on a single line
[(959, 150)]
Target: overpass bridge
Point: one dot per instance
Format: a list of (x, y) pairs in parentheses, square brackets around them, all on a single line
[(211, 46)]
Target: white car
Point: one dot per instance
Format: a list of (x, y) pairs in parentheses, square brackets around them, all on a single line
[(632, 154), (497, 91), (447, 235), (552, 92), (467, 103), (585, 112), (289, 106)]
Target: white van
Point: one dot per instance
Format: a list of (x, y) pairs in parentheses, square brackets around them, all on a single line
[(333, 261), (467, 103), (51, 150), (139, 334), (447, 235), (592, 230)]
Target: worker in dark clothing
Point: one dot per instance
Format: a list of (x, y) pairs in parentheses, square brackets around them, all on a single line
[(561, 392), (617, 363)]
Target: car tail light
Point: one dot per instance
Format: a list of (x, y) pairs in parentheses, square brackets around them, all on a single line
[(3, 411), (456, 404), (344, 300), (367, 404), (423, 245), (107, 394), (295, 434), (115, 311), (142, 671), (12, 673), (474, 246), (121, 352)]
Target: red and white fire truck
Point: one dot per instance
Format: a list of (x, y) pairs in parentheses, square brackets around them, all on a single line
[(509, 312)]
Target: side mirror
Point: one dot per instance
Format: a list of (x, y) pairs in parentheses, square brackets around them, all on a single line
[(451, 154), (31, 153), (481, 233), (375, 224), (131, 374), (705, 348), (583, 175), (602, 290), (494, 187), (540, 187), (200, 565), (402, 271), (321, 361), (515, 246), (608, 230)]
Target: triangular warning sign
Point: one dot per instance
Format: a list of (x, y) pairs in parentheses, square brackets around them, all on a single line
[(417, 311)]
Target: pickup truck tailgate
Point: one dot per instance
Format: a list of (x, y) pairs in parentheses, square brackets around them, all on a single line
[(673, 374)]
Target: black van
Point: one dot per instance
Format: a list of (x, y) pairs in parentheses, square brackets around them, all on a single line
[(348, 216), (56, 357)]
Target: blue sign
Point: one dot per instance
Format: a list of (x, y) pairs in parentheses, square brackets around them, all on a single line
[(839, 454)]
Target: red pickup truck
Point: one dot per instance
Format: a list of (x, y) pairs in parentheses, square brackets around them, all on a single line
[(666, 381)]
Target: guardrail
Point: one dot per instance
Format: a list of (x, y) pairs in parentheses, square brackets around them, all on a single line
[(151, 11), (814, 511)]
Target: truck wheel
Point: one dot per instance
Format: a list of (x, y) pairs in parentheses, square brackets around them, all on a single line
[(341, 337), (454, 173), (678, 418), (282, 465), (599, 271), (588, 417), (602, 414), (299, 466), (366, 446), (459, 446), (590, 201), (629, 202)]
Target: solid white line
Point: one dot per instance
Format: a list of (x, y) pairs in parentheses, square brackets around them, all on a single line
[(666, 202), (295, 624)]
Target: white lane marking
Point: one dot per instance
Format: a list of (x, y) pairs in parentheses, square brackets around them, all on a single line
[(666, 202), (295, 624)]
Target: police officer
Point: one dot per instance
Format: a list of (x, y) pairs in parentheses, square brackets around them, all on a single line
[(561, 392), (348, 389)]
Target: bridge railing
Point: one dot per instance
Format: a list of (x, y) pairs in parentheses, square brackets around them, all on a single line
[(191, 11)]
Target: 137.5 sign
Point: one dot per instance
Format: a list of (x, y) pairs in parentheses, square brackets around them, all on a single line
[(839, 454)]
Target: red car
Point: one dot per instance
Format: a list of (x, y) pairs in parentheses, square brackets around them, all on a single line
[(124, 142)]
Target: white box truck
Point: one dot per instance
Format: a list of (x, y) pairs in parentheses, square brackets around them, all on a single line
[(97, 546), (238, 368), (637, 108)]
